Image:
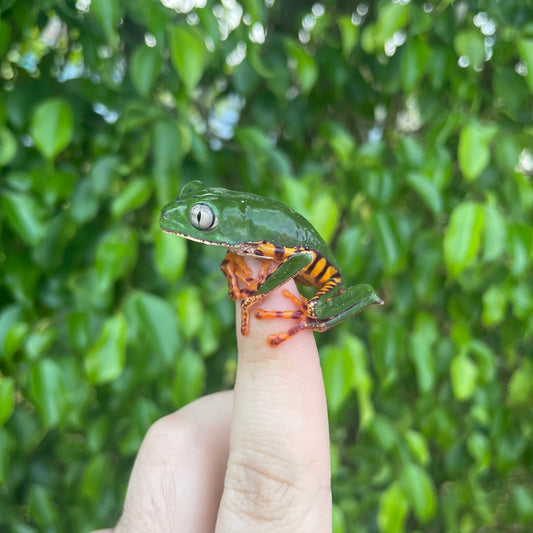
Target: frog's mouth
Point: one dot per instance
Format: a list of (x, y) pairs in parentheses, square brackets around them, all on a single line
[(240, 249), (229, 246), (195, 239)]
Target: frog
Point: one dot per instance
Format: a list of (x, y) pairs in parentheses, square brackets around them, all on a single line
[(289, 247)]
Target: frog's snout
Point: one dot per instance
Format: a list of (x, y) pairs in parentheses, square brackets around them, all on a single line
[(164, 214)]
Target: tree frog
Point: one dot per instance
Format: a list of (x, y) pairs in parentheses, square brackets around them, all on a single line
[(290, 247)]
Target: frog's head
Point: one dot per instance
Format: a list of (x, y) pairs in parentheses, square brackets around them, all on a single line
[(194, 214)]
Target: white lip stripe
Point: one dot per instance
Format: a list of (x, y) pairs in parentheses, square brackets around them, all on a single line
[(232, 247)]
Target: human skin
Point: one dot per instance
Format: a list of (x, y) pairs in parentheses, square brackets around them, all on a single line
[(254, 459)]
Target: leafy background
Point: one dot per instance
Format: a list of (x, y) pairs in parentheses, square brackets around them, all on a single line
[(401, 129)]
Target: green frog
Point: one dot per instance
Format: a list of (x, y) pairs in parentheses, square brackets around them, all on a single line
[(288, 245)]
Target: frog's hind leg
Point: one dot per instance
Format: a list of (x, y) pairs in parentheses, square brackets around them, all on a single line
[(299, 314), (296, 314), (320, 315)]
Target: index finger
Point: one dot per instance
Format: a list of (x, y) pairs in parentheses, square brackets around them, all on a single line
[(278, 474)]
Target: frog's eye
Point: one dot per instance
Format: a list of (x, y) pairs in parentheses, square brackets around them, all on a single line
[(202, 217)]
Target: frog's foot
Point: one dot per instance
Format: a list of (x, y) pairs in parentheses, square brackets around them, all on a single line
[(301, 314), (245, 312)]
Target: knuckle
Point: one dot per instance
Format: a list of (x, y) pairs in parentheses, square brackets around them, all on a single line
[(267, 489)]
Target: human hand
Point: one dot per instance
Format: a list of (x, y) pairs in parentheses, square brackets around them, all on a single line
[(250, 460)]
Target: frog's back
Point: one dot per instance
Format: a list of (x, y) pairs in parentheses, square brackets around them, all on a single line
[(248, 224), (247, 217), (273, 230)]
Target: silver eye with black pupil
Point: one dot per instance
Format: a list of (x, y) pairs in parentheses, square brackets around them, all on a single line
[(202, 217)]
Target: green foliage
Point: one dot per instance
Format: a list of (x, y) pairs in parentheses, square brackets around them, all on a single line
[(401, 129)]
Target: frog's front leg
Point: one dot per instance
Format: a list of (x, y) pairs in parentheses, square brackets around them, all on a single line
[(236, 270)]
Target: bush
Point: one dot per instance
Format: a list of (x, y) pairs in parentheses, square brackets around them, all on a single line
[(401, 129)]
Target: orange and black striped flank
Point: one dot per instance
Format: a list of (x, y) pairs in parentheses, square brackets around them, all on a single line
[(319, 273)]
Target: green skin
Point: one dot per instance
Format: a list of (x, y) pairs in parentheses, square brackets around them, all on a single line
[(243, 219)]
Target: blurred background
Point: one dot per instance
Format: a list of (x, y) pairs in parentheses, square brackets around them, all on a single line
[(401, 129)]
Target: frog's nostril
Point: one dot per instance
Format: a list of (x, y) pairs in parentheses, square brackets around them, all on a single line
[(165, 214)]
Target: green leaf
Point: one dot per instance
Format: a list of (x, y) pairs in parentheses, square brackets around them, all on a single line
[(134, 195), (11, 318), (253, 139), (349, 34), (305, 66), (85, 202), (471, 44), (42, 507), (7, 446), (520, 388), (190, 311), (361, 379), (104, 362), (256, 9), (8, 146), (494, 233), (188, 54), (384, 433), (338, 520), (462, 237), (427, 190), (7, 398), (94, 476), (107, 13), (413, 63), (495, 300), (341, 141), (474, 152), (419, 489), (325, 215), (345, 369), (418, 446), (387, 342), (439, 65), (210, 338), (485, 360), (5, 36), (159, 322), (145, 68), (464, 376), (520, 248), (393, 507), (171, 141), (523, 503), (391, 18), (525, 49), (338, 368), (478, 446), (25, 216), (37, 342), (48, 392), (253, 55), (116, 254), (170, 255), (389, 246), (52, 127), (103, 174), (422, 353), (190, 378), (14, 338)]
